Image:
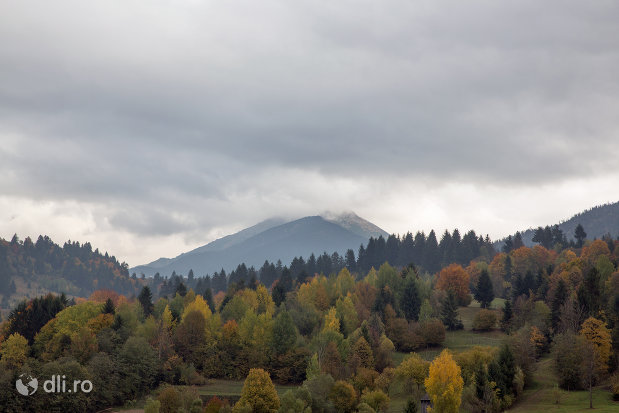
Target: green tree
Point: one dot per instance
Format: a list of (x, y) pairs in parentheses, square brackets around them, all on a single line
[(411, 300), (411, 406), (284, 333), (259, 392), (508, 316), (146, 300), (449, 312), (580, 235), (108, 307), (485, 292)]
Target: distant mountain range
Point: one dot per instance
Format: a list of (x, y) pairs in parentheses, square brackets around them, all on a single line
[(273, 239), (597, 222)]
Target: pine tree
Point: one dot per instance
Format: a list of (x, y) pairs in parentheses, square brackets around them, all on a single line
[(411, 406), (557, 302), (146, 300), (485, 292), (108, 307), (411, 301), (508, 314), (208, 297), (580, 235), (449, 312)]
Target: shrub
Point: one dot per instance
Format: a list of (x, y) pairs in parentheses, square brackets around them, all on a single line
[(484, 320)]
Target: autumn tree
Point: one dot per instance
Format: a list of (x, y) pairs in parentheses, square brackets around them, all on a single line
[(455, 278), (595, 332), (412, 372), (259, 392), (343, 396), (362, 356), (444, 384), (14, 351), (485, 292)]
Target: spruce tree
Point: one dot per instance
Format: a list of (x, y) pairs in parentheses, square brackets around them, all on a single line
[(208, 297), (411, 301), (449, 312), (507, 316), (485, 292), (580, 235), (146, 300), (411, 406), (108, 307)]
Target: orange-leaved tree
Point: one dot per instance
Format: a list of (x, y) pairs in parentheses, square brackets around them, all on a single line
[(454, 277)]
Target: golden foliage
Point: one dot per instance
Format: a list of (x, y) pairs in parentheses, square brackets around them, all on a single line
[(444, 384)]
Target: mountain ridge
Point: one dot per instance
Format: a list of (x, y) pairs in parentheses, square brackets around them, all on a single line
[(271, 240)]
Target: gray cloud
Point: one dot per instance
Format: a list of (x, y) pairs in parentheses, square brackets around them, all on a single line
[(171, 115)]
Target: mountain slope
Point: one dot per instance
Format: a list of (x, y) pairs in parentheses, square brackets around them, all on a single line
[(597, 222), (269, 241)]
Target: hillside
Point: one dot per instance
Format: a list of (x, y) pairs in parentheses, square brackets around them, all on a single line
[(597, 222), (28, 269), (271, 240)]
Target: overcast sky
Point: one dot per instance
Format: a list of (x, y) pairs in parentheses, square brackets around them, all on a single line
[(151, 127)]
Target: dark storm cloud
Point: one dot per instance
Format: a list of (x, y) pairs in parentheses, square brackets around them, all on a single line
[(181, 106)]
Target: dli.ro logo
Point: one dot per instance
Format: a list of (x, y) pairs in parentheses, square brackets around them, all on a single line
[(26, 385)]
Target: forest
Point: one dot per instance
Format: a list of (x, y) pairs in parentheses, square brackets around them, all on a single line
[(408, 317)]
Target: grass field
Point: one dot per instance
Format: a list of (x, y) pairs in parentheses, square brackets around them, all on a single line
[(543, 396)]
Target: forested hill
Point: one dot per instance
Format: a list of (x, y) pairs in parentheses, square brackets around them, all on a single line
[(31, 268), (598, 222)]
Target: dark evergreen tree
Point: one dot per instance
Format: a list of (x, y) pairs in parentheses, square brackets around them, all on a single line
[(508, 245), (181, 289), (449, 312), (518, 243), (208, 297), (589, 293), (411, 300), (411, 406), (507, 368), (484, 291), (481, 380), (351, 263), (557, 301), (108, 307), (146, 300), (432, 258), (508, 315)]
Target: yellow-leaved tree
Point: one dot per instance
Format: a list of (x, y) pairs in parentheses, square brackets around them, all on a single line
[(444, 384), (258, 393)]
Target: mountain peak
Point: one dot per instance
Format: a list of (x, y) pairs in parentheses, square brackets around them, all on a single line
[(354, 223)]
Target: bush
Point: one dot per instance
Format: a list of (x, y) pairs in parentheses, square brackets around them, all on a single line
[(431, 331), (170, 400), (377, 399), (484, 320), (152, 406)]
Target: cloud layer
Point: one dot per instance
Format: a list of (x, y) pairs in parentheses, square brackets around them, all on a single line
[(150, 127)]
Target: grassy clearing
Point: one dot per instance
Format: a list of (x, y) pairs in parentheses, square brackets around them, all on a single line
[(543, 396), (223, 388)]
